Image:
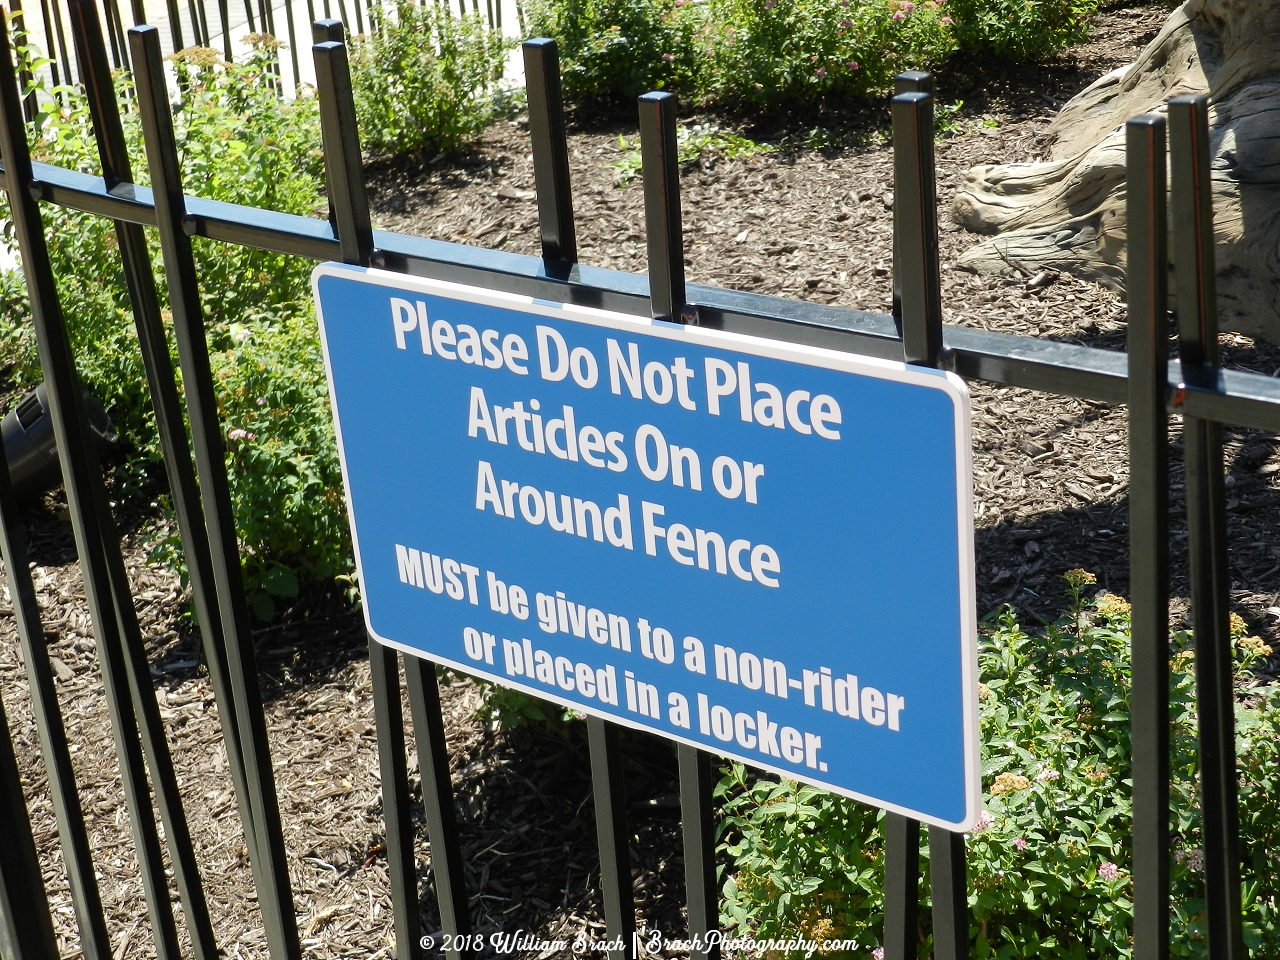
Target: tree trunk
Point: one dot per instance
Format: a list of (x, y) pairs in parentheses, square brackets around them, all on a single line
[(1069, 213)]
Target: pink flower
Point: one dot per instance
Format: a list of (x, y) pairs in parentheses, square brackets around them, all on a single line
[(908, 7), (262, 401), (1020, 843), (822, 71), (768, 4), (1108, 871), (813, 57), (237, 434), (852, 64), (667, 56), (847, 24), (948, 21), (984, 822), (899, 15), (877, 953), (1047, 776)]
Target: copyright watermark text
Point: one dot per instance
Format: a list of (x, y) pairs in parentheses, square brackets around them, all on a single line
[(644, 941)]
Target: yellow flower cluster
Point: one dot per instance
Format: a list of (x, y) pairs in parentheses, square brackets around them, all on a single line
[(1078, 578), (1110, 605), (1009, 782), (1253, 646), (202, 58)]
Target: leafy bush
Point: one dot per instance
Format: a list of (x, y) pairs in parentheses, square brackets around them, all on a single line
[(770, 54), (1020, 29), (241, 143), (611, 51), (425, 80), (776, 52), (1050, 868)]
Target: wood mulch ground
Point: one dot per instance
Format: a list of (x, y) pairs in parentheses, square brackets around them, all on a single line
[(1050, 485)]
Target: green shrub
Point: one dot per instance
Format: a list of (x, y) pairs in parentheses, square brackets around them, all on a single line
[(241, 143), (611, 51), (771, 53), (1050, 865), (425, 80), (1020, 29), (774, 54)]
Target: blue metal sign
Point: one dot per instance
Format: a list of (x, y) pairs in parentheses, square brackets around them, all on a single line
[(758, 548)]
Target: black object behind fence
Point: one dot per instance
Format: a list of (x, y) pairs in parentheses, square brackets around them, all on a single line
[(1196, 388)]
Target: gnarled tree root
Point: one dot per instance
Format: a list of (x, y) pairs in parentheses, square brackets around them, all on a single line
[(1068, 213)]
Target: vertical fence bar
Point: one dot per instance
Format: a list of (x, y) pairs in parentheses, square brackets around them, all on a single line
[(322, 31), (293, 45), (697, 784), (918, 306), (270, 866), (396, 810), (608, 787), (343, 171), (166, 402), (224, 19), (196, 39), (909, 81), (1192, 203), (437, 800), (916, 226), (77, 855), (106, 586), (664, 231), (65, 54), (115, 32), (50, 43), (26, 926), (175, 24), (665, 236), (1147, 285), (550, 156), (205, 38), (901, 886), (949, 887)]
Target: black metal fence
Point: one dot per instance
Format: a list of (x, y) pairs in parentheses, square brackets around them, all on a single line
[(1195, 388), (217, 25)]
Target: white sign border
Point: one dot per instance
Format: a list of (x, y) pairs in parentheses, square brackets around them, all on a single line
[(822, 357)]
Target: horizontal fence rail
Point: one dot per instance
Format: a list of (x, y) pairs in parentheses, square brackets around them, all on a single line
[(1087, 373), (1195, 387)]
